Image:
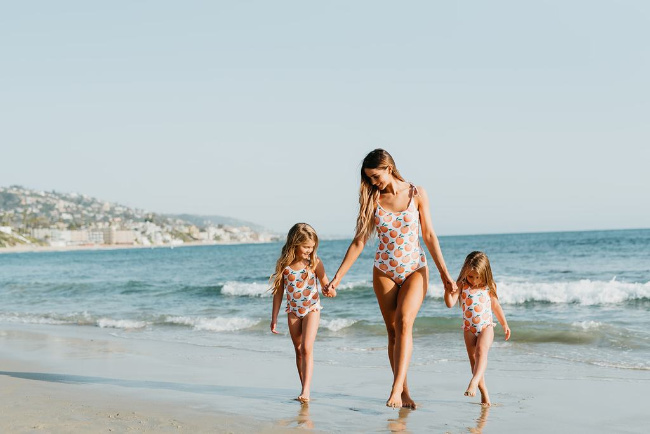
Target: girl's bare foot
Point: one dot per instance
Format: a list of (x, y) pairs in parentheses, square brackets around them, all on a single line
[(407, 401)]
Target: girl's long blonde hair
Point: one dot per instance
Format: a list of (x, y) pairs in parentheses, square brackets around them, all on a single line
[(479, 262), (300, 233), (369, 194)]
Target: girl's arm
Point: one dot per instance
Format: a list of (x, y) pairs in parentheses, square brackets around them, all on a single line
[(501, 317), (431, 240), (451, 296), (277, 301), (355, 249), (322, 276)]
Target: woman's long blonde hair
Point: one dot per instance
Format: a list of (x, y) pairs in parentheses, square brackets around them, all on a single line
[(479, 262), (369, 194), (300, 233)]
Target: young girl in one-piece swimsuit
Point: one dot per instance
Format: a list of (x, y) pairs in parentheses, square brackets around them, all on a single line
[(298, 274), (478, 300)]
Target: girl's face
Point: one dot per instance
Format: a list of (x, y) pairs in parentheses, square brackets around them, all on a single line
[(380, 178), (303, 251), (474, 279)]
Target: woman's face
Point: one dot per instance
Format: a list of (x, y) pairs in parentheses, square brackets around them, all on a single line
[(303, 251), (380, 178)]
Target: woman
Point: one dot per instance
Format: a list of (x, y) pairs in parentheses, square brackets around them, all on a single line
[(395, 210)]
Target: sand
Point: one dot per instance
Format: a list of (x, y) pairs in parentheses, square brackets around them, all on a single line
[(86, 379)]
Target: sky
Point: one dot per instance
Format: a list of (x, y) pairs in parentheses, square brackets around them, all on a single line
[(514, 116)]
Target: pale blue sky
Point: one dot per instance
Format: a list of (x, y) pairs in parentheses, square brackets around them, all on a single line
[(515, 116)]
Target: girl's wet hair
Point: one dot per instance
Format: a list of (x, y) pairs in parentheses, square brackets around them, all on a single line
[(299, 234)]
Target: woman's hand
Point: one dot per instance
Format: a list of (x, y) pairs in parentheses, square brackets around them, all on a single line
[(274, 324), (449, 284)]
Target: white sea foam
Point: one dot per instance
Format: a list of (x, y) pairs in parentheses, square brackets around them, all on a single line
[(586, 325), (120, 323), (353, 285), (585, 292), (243, 289), (337, 324), (213, 324), (32, 319)]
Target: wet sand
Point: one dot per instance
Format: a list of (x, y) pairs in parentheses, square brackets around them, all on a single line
[(86, 379)]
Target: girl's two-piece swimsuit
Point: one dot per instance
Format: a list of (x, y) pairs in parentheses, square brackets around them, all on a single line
[(477, 310), (399, 253), (301, 288)]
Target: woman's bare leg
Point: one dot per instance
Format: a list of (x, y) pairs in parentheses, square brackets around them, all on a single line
[(399, 307)]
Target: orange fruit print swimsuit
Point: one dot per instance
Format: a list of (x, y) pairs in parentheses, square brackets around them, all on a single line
[(399, 253), (477, 309), (302, 291)]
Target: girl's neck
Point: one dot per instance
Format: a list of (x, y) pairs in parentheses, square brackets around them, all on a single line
[(300, 263)]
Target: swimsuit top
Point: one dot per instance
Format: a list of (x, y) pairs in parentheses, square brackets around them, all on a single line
[(301, 288), (398, 227)]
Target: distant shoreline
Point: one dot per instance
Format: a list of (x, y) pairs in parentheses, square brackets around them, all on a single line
[(34, 249)]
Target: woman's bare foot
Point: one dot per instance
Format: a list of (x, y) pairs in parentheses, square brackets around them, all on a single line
[(395, 399), (485, 398), (303, 398), (407, 401), (471, 389)]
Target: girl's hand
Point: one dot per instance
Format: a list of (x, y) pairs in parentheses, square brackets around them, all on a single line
[(273, 326), (506, 330)]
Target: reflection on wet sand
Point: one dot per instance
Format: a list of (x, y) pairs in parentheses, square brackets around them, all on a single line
[(481, 421), (399, 424), (302, 419)]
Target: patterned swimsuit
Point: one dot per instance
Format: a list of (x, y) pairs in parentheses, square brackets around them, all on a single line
[(301, 288), (477, 310), (399, 253)]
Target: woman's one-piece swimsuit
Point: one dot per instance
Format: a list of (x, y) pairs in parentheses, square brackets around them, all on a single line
[(477, 310), (399, 253), (301, 288)]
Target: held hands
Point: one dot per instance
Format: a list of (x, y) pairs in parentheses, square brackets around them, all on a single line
[(450, 284), (329, 290)]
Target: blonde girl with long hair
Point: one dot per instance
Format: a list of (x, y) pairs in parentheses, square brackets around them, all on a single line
[(478, 300), (298, 273), (397, 211)]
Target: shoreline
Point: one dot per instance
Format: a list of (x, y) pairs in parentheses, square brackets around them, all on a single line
[(34, 249)]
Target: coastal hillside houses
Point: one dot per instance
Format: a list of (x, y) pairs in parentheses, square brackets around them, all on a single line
[(70, 219)]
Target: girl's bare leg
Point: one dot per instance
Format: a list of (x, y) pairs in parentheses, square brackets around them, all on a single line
[(479, 365), (295, 330), (309, 330), (399, 307)]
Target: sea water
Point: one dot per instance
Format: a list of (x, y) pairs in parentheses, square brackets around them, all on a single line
[(569, 297)]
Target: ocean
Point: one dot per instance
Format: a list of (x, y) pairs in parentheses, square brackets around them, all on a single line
[(570, 297)]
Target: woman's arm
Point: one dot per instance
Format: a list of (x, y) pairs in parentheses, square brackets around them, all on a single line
[(277, 301), (355, 249), (501, 317), (431, 240)]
